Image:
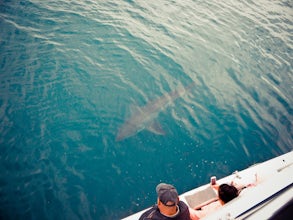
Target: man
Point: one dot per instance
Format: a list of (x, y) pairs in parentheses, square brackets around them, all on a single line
[(168, 205)]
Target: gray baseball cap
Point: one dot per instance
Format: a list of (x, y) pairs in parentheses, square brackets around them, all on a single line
[(167, 193)]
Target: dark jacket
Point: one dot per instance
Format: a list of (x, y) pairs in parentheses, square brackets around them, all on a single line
[(154, 213)]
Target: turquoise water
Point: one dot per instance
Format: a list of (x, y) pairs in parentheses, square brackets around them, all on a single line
[(71, 70)]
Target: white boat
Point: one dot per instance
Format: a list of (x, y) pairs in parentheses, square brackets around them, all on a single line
[(270, 197)]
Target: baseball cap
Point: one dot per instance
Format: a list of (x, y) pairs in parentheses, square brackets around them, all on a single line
[(167, 193)]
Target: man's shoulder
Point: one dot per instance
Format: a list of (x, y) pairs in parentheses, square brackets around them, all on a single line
[(149, 213), (183, 205)]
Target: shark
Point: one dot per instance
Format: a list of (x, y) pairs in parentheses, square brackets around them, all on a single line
[(143, 117)]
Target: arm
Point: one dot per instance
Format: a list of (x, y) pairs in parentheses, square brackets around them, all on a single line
[(193, 214)]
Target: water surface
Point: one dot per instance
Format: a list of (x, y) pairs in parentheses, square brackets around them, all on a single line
[(71, 70)]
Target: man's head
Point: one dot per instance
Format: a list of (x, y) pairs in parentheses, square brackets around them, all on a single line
[(227, 192), (167, 194)]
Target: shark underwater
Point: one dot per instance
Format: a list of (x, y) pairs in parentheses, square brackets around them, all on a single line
[(144, 117)]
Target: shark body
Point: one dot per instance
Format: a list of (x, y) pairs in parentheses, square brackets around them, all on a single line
[(143, 117)]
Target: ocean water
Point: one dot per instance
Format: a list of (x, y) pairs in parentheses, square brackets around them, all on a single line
[(71, 72)]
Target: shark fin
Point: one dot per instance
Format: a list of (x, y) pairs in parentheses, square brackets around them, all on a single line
[(156, 128)]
